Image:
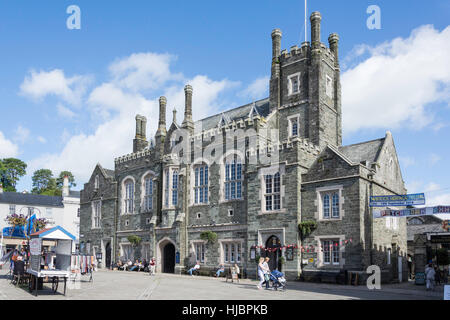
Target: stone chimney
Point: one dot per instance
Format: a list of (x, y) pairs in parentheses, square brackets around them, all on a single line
[(140, 140), (276, 43), (65, 190), (333, 41), (187, 122), (162, 118), (316, 18)]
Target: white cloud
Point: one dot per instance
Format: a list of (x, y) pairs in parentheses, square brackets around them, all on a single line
[(398, 81), (118, 102), (434, 158), (21, 134), (440, 199), (258, 89), (407, 161), (432, 187), (64, 111), (40, 84), (143, 71), (41, 139), (7, 148)]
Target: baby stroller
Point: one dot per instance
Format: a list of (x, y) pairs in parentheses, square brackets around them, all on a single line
[(278, 280)]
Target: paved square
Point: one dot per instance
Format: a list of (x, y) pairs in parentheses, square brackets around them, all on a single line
[(122, 285)]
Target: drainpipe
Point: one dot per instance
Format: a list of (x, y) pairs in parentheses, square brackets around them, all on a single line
[(371, 218)]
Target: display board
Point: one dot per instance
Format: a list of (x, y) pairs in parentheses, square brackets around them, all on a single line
[(35, 246), (35, 263)]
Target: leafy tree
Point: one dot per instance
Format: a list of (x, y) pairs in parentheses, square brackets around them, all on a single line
[(60, 180), (44, 183), (11, 169)]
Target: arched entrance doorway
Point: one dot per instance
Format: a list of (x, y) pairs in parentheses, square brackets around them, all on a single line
[(168, 258), (273, 245), (108, 255)]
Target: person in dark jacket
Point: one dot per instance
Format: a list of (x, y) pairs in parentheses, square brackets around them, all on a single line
[(19, 267)]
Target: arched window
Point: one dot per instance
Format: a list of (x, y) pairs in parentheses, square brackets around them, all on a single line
[(171, 181), (175, 188), (148, 197), (233, 180), (129, 196)]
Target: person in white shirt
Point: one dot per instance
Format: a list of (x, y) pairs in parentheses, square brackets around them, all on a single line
[(196, 267), (429, 274)]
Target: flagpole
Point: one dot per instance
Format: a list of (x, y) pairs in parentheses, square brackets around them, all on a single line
[(306, 24)]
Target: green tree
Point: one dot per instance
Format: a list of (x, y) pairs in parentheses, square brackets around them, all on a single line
[(60, 180), (44, 183), (11, 170)]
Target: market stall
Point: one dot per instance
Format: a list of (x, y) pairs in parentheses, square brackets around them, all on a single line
[(49, 266)]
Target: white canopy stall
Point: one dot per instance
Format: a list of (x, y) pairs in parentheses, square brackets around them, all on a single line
[(53, 265)]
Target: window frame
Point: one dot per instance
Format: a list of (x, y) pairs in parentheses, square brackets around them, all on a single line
[(130, 190), (332, 253), (233, 180), (272, 192), (148, 193), (231, 251), (96, 214), (290, 78), (200, 187), (331, 210)]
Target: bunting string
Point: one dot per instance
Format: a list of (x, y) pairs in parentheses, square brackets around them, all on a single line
[(310, 248)]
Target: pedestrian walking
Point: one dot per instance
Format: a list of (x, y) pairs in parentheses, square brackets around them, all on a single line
[(261, 273), (152, 266), (437, 276), (267, 272), (430, 274)]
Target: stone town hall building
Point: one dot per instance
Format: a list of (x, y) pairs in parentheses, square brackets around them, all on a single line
[(251, 175)]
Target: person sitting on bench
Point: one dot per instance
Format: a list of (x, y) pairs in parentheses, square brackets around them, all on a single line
[(195, 268)]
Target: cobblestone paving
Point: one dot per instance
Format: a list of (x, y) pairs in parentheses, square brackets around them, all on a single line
[(120, 285)]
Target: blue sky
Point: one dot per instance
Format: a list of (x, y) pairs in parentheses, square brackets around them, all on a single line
[(69, 97)]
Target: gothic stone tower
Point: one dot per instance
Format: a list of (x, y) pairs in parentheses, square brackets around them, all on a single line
[(305, 88)]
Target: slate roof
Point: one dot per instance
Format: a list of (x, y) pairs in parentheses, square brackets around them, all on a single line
[(421, 229), (109, 172), (364, 151), (31, 199), (262, 106), (74, 194)]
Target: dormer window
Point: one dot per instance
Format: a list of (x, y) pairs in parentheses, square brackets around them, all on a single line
[(294, 84)]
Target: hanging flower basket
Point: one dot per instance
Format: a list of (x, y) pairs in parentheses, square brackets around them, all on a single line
[(16, 220), (306, 228), (40, 223)]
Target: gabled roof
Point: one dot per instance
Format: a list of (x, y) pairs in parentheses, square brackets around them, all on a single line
[(261, 106), (364, 151), (31, 199), (56, 233), (107, 173)]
